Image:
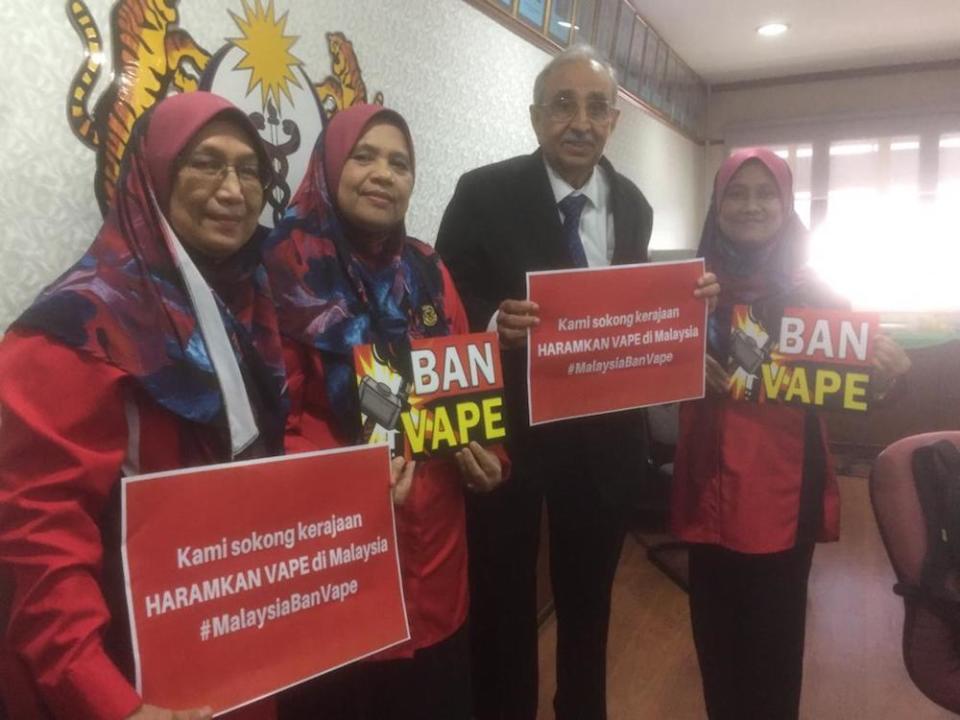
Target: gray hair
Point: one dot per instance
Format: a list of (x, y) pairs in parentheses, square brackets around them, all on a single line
[(575, 53)]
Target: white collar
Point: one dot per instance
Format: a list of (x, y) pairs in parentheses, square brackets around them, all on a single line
[(593, 188)]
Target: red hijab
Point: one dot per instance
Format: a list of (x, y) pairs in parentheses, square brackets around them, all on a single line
[(330, 296), (774, 164), (317, 193), (748, 274), (124, 302)]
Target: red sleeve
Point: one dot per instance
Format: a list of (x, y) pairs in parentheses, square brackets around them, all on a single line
[(310, 422), (294, 442), (63, 436)]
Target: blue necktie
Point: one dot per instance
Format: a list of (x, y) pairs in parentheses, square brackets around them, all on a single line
[(572, 207)]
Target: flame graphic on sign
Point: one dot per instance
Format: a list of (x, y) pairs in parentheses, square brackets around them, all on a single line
[(743, 383), (369, 365)]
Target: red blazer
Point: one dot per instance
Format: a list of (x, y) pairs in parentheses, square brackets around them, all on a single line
[(738, 475), (70, 426), (431, 530)]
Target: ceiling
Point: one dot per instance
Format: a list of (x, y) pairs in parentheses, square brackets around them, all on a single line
[(718, 38)]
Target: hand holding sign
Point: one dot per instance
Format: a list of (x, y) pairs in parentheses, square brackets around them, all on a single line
[(616, 338), (718, 380), (890, 361), (233, 571), (709, 288), (401, 478), (514, 318), (481, 469)]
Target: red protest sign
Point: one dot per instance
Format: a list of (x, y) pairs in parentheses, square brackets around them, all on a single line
[(615, 338), (451, 393), (802, 356), (246, 578)]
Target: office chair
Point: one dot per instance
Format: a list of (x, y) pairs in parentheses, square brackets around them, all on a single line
[(931, 629)]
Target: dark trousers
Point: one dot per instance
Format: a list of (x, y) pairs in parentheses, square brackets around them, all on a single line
[(586, 535), (749, 617), (434, 683)]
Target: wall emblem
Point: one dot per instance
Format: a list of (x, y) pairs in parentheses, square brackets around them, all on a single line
[(255, 68), (151, 56)]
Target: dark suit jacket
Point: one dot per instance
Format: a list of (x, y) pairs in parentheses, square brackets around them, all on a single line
[(501, 223)]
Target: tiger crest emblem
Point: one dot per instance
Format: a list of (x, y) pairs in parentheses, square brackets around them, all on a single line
[(151, 56), (345, 87)]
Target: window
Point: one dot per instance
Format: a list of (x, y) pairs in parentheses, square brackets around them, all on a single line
[(948, 180), (621, 48), (647, 67), (881, 243), (586, 10), (606, 26), (561, 21)]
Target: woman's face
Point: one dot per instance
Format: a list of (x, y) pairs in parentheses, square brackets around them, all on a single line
[(751, 211), (377, 180), (217, 191)]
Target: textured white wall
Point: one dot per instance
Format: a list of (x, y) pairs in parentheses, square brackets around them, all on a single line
[(462, 81)]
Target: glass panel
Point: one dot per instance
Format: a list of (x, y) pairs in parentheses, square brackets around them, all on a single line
[(533, 12), (621, 50), (660, 75), (903, 167), (632, 80), (688, 100), (948, 185), (647, 76), (584, 27), (801, 162), (673, 82), (561, 21), (503, 3), (606, 25), (873, 209)]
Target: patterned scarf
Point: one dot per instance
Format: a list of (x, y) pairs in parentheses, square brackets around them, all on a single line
[(765, 274), (124, 302), (330, 295)]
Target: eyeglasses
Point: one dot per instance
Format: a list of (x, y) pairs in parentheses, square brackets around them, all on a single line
[(564, 108), (213, 171)]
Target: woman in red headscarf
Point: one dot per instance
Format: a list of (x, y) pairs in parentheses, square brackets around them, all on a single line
[(344, 272), (158, 349), (753, 486)]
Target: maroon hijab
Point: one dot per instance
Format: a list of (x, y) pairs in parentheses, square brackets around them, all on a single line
[(776, 166), (331, 293), (748, 274), (317, 193), (125, 303), (173, 125)]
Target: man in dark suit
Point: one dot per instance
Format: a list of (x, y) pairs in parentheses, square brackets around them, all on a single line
[(564, 206)]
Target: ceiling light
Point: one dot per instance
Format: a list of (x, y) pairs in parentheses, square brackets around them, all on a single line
[(565, 24), (772, 29)]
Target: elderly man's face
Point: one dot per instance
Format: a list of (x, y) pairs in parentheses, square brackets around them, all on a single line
[(575, 118)]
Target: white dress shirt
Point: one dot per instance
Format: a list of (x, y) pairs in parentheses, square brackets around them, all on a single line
[(596, 220)]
